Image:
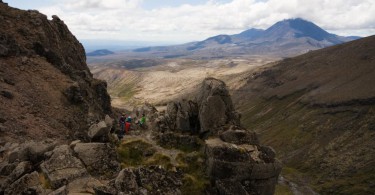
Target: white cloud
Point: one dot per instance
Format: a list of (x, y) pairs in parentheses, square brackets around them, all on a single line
[(127, 20)]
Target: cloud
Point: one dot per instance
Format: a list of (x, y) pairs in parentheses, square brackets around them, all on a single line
[(127, 20)]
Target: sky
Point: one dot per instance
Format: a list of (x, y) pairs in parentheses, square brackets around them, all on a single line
[(180, 21)]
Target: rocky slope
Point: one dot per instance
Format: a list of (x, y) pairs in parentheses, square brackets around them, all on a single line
[(47, 90), (317, 111)]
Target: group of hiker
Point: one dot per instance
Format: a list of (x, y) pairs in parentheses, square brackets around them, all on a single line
[(126, 122)]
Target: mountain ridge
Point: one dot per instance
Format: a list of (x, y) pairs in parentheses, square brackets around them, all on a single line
[(285, 38)]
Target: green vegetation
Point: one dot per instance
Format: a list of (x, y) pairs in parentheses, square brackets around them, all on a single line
[(195, 181), (134, 153), (139, 153), (44, 181), (282, 190)]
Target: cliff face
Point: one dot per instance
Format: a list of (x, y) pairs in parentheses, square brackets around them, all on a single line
[(47, 90)]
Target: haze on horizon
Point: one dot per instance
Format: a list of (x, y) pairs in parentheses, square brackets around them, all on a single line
[(180, 21)]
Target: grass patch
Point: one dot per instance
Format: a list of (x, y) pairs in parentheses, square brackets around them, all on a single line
[(195, 181), (160, 159), (282, 190), (134, 153), (44, 181)]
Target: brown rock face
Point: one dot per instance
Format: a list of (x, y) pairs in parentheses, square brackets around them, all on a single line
[(46, 87)]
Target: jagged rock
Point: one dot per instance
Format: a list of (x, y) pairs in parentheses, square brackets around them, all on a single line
[(240, 137), (126, 181), (229, 187), (99, 158), (27, 184), (99, 131), (61, 191), (21, 169), (62, 167)]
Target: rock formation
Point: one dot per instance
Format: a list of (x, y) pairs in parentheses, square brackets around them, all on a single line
[(235, 161)]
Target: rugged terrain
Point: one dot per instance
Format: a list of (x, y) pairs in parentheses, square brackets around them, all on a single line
[(317, 111), (57, 136)]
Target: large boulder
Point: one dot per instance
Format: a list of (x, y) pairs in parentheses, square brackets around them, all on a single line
[(211, 111), (99, 131), (100, 159), (228, 162), (31, 151), (62, 167), (215, 106), (183, 115)]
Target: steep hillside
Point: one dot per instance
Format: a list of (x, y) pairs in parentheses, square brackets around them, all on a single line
[(318, 111), (47, 90)]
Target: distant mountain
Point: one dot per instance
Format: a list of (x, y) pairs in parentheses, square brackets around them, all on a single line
[(101, 52), (285, 38)]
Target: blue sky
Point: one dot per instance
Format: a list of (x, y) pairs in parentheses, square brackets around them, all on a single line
[(179, 21)]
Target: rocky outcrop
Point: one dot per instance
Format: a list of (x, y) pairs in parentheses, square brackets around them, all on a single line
[(45, 79), (215, 106), (211, 111), (144, 180), (236, 163), (240, 169)]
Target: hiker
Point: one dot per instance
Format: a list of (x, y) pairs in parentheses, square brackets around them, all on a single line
[(122, 122), (142, 121), (128, 123)]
